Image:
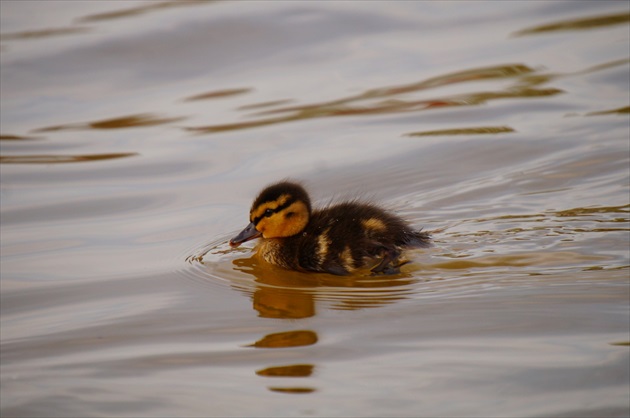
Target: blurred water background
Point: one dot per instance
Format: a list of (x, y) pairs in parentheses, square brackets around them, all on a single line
[(135, 134)]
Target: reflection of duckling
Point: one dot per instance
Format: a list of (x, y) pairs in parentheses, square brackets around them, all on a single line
[(337, 239)]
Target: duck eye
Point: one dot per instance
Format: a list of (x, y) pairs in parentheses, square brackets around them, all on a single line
[(268, 212)]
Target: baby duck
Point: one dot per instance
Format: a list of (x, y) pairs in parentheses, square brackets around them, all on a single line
[(338, 239)]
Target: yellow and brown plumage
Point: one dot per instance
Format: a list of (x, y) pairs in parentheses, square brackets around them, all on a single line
[(338, 239)]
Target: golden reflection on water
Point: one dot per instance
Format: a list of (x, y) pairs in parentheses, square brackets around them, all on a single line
[(17, 138), (56, 159), (217, 94), (131, 121), (465, 131), (279, 293), (382, 100), (42, 33), (294, 370), (286, 339), (577, 24), (475, 74), (528, 83), (296, 390), (619, 111), (379, 100), (373, 101), (264, 104), (140, 10), (275, 303), (594, 210)]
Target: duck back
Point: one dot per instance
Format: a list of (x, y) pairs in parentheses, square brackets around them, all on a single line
[(349, 236)]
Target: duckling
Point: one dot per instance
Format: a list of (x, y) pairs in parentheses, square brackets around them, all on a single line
[(338, 239)]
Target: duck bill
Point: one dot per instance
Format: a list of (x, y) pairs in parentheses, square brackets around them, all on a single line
[(250, 232)]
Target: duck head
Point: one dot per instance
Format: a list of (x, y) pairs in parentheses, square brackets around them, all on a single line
[(280, 210)]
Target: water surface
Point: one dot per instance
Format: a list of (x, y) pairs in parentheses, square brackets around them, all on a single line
[(134, 136)]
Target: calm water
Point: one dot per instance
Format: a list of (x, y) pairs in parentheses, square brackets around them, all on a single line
[(136, 134)]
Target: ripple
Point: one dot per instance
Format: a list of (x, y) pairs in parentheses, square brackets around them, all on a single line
[(200, 255), (277, 292), (469, 259)]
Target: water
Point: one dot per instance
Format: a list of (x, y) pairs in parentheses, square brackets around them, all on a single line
[(135, 135)]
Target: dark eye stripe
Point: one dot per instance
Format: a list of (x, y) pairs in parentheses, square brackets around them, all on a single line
[(276, 210)]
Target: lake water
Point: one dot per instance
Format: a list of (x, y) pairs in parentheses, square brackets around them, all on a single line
[(136, 134)]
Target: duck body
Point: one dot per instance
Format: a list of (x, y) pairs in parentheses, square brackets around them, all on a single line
[(338, 239)]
